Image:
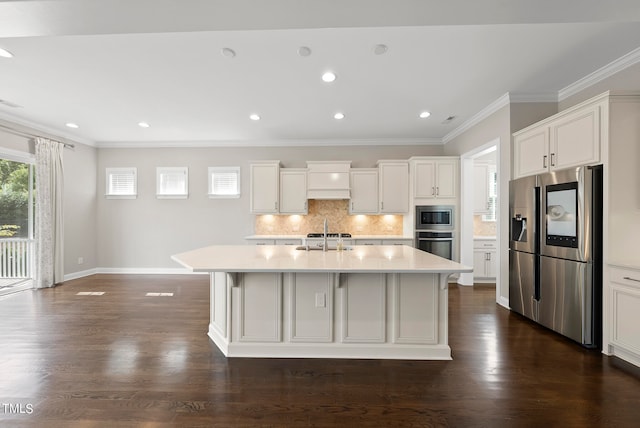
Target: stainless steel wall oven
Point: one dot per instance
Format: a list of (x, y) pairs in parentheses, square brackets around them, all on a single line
[(434, 231)]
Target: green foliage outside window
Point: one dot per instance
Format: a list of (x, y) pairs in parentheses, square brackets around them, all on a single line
[(14, 199)]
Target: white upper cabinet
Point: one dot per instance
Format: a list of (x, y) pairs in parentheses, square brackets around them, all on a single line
[(265, 177), (575, 139), (531, 152), (435, 177), (293, 191), (570, 138), (394, 187), (364, 191)]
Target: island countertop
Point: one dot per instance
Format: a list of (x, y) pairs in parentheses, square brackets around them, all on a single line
[(281, 258)]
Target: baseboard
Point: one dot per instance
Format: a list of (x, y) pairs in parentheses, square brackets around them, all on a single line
[(80, 274), (131, 271), (148, 271), (503, 301)]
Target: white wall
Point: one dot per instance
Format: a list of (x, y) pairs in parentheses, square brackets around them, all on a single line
[(145, 232), (499, 126), (80, 215)]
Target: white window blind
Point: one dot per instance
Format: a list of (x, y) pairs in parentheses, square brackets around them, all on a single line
[(224, 182), (493, 192), (121, 182), (172, 182)]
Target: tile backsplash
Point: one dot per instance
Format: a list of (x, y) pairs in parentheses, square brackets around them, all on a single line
[(337, 214), (484, 228)]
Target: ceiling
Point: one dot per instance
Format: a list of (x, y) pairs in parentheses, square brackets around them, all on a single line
[(107, 65)]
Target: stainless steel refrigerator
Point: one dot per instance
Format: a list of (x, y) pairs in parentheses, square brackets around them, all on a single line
[(555, 251)]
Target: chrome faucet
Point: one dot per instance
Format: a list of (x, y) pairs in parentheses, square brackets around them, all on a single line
[(326, 231)]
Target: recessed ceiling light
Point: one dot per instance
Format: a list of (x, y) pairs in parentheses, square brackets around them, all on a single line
[(5, 53), (304, 51), (254, 117), (228, 52), (71, 125), (143, 124), (338, 116), (380, 49), (425, 114), (329, 77)]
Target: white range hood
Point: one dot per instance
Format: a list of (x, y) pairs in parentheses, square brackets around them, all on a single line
[(328, 180)]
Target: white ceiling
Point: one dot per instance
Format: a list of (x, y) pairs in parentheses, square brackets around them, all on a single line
[(109, 64)]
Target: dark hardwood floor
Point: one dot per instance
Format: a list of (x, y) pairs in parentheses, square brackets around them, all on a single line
[(123, 359)]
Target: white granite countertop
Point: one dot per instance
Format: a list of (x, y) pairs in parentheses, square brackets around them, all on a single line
[(281, 258)]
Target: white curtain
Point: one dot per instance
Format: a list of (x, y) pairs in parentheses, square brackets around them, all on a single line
[(49, 220)]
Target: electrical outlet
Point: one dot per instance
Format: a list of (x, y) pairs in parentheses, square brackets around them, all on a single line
[(80, 260)]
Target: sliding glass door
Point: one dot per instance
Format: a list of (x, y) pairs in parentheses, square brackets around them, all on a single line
[(16, 223)]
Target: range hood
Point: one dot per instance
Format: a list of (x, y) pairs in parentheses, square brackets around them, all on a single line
[(328, 180)]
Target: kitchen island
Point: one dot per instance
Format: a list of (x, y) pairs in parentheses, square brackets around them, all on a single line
[(382, 301)]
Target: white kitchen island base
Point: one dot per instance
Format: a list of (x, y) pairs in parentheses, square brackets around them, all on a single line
[(330, 315), (380, 302)]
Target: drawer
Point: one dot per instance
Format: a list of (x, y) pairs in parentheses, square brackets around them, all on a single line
[(628, 277), (288, 241), (368, 242), (408, 242), (262, 241), (481, 244)]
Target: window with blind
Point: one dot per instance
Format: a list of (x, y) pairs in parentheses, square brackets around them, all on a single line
[(493, 195), (121, 183), (172, 182), (224, 182)]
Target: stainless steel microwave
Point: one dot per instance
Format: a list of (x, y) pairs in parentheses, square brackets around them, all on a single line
[(435, 217)]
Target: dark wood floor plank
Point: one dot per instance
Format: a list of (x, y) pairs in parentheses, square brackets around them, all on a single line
[(127, 360)]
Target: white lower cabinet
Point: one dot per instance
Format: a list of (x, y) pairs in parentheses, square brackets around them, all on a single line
[(624, 309), (329, 315), (484, 260)]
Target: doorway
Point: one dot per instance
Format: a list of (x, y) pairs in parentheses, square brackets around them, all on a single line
[(16, 222), (479, 217)]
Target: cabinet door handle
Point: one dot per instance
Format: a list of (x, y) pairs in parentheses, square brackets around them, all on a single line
[(305, 205), (433, 191), (553, 162), (437, 191), (544, 161), (382, 205), (628, 278), (351, 205), (275, 205)]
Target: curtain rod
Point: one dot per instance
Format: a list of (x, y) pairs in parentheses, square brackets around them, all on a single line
[(28, 135)]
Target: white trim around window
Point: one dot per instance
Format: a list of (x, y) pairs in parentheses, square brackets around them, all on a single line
[(121, 183), (172, 182), (224, 181)]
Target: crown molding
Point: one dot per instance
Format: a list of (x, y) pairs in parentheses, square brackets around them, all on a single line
[(608, 70), (35, 128), (274, 143)]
